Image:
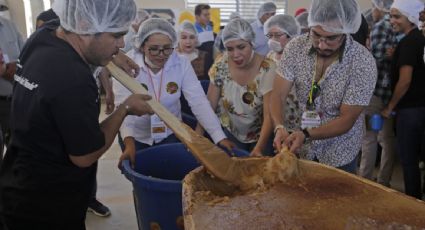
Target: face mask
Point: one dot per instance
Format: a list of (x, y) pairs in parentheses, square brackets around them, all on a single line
[(150, 64), (5, 14), (275, 46)]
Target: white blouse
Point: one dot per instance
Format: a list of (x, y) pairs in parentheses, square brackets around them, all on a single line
[(178, 77)]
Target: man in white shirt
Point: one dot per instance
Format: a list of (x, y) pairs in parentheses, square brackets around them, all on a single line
[(266, 10)]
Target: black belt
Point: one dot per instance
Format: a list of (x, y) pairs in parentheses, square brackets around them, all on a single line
[(5, 98)]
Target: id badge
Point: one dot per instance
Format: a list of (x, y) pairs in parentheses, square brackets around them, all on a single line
[(158, 128), (310, 119)]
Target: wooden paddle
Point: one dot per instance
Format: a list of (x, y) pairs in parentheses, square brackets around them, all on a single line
[(214, 159)]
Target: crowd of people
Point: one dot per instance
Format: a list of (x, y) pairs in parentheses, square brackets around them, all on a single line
[(311, 82)]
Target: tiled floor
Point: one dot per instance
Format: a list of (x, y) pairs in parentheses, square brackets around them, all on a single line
[(115, 191)]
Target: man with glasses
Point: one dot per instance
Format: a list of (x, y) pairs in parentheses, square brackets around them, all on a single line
[(334, 78)]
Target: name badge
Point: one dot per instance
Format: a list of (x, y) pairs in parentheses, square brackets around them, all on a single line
[(158, 128), (310, 119)]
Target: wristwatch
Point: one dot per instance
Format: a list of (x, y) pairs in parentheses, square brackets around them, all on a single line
[(277, 128), (307, 136)]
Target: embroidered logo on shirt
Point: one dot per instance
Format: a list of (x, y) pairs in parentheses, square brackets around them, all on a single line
[(25, 82), (172, 87)]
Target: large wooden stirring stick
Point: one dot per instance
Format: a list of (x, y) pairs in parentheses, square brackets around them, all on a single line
[(214, 159)]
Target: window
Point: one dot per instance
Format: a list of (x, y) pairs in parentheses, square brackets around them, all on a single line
[(246, 8)]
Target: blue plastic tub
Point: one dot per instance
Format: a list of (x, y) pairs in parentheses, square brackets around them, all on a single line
[(157, 186)]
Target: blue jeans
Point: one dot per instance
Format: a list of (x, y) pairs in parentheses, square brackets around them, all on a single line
[(267, 151), (410, 126)]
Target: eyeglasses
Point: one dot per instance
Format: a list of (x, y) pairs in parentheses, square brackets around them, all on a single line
[(276, 35), (315, 92), (329, 40), (155, 51)]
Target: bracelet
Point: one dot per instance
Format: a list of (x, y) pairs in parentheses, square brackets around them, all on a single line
[(277, 128)]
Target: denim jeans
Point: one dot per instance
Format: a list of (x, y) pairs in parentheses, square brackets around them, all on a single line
[(267, 151), (410, 126)]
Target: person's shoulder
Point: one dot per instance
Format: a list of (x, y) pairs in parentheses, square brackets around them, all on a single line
[(268, 64), (298, 45)]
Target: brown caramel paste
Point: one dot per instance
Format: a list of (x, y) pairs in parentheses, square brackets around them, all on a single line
[(286, 193)]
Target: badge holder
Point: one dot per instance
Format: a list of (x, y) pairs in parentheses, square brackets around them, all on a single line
[(158, 128)]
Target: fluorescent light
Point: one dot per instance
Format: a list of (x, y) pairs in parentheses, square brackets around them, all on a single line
[(47, 4), (28, 17)]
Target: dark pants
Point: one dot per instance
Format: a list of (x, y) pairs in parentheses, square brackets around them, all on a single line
[(5, 106), (267, 151), (350, 167), (410, 126), (11, 223)]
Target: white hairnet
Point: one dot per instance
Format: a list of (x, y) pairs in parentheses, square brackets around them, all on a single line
[(302, 20), (267, 7), (383, 5), (238, 29), (335, 16), (188, 27), (140, 16), (234, 15), (410, 9), (152, 26), (95, 16), (286, 23)]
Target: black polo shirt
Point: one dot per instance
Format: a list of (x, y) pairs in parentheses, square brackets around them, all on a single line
[(54, 114), (410, 51)]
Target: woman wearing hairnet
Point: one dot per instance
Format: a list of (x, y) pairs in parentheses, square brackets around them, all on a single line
[(166, 75), (280, 29), (240, 84), (408, 98), (188, 41)]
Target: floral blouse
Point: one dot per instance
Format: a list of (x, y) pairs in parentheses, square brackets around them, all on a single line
[(240, 108), (292, 112)]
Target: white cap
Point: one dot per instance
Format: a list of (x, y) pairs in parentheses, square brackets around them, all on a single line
[(410, 9), (95, 16), (238, 29), (335, 16), (286, 23), (152, 26)]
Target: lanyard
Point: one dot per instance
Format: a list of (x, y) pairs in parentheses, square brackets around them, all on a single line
[(158, 98), (310, 94)]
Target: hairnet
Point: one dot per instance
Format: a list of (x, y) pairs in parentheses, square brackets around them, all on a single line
[(188, 27), (238, 29), (285, 23), (152, 26), (335, 16), (140, 16), (302, 20), (410, 9), (383, 5), (267, 7), (234, 15), (95, 16)]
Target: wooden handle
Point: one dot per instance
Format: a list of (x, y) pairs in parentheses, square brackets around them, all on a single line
[(135, 87)]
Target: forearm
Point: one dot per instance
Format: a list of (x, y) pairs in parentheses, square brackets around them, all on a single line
[(399, 91), (266, 130), (336, 127)]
